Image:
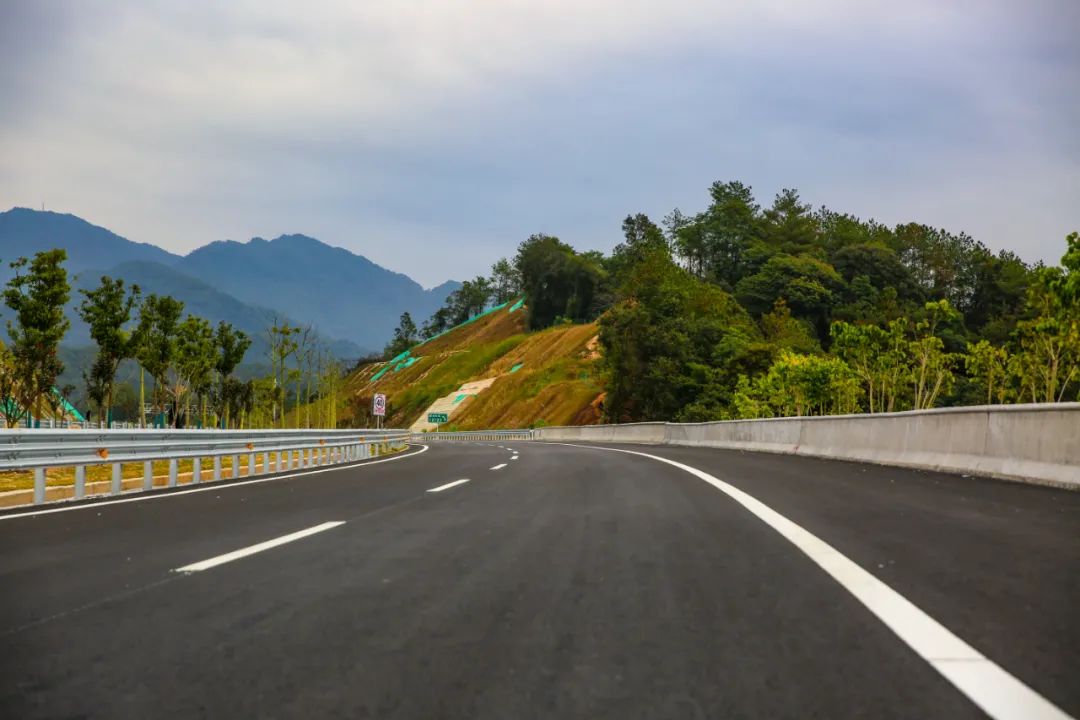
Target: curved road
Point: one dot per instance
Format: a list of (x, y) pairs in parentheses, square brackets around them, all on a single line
[(557, 581)]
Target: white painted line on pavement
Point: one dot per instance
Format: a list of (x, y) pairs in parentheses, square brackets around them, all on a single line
[(1000, 695), (258, 548), (209, 487), (449, 485), (514, 458), (500, 466)]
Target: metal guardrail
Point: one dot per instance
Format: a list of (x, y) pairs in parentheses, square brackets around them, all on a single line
[(474, 435), (38, 450), (51, 424)]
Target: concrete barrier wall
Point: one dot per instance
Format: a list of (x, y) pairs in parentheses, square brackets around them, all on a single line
[(1038, 443)]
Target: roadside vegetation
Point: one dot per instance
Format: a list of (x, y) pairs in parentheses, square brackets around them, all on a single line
[(186, 365), (737, 311), (743, 311)]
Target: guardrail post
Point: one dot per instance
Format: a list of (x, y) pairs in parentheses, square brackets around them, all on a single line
[(80, 481), (39, 485), (172, 472), (236, 466), (196, 471), (117, 479), (148, 475), (251, 464), (277, 461), (217, 467)]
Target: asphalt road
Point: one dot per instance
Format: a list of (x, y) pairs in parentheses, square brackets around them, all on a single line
[(571, 582)]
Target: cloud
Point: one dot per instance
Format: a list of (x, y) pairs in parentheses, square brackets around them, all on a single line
[(432, 136)]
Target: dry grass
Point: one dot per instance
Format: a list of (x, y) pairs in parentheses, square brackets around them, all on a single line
[(57, 477), (557, 383)]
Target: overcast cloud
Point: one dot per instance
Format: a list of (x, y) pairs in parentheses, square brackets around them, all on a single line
[(432, 136)]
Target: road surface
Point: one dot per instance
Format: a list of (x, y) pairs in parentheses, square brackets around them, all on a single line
[(469, 580)]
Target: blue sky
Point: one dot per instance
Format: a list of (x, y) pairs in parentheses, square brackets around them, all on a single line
[(432, 136)]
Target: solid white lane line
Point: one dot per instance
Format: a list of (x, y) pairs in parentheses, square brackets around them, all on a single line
[(500, 466), (257, 548), (449, 485), (209, 487), (1000, 695)]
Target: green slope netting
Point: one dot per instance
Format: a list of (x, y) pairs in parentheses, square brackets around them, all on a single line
[(403, 360)]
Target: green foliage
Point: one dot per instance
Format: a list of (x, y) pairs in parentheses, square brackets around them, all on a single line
[(405, 336), (159, 323), (36, 294), (799, 385), (673, 346), (1047, 364), (557, 281), (196, 357), (107, 310), (988, 366), (505, 282), (808, 286)]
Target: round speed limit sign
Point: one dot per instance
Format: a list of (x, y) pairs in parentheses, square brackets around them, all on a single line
[(380, 405)]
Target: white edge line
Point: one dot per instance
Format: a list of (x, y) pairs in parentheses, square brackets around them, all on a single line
[(257, 548), (998, 693), (206, 486), (449, 485), (500, 466)]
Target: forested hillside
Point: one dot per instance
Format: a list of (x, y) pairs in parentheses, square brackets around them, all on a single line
[(744, 310)]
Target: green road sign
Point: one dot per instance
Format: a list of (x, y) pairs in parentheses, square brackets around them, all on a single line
[(437, 418)]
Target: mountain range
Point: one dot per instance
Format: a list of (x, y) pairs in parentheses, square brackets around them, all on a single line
[(353, 303)]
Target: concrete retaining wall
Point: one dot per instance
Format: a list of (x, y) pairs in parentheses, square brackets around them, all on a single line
[(1039, 443)]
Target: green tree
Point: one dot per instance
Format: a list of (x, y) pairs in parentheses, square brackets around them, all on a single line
[(159, 323), (107, 309), (1047, 359), (231, 345), (808, 285), (932, 366), (558, 282), (674, 346), (196, 356), (37, 294), (789, 225), (405, 336), (505, 282), (642, 239), (989, 367), (282, 346), (10, 409), (800, 385), (98, 381)]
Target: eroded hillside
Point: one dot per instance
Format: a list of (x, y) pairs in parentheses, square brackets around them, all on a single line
[(490, 372)]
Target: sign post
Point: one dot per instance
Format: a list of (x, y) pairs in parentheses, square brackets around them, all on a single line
[(378, 408)]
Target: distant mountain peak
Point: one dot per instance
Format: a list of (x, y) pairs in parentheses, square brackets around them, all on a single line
[(343, 293)]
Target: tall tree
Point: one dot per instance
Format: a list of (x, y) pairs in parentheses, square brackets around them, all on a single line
[(505, 281), (282, 346), (159, 323), (195, 359), (230, 347), (107, 309), (558, 282), (405, 336), (37, 294)]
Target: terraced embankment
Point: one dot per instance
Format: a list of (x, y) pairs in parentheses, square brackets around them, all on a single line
[(489, 372)]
